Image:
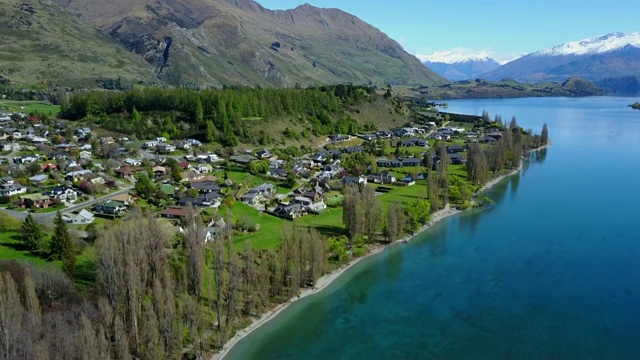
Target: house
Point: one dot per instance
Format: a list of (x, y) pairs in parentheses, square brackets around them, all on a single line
[(208, 158), (265, 155), (455, 149), (8, 180), (123, 198), (85, 155), (456, 159), (150, 144), (174, 213), (204, 168), (129, 171), (411, 162), (413, 142), (304, 201), (243, 159), (159, 171), (189, 176), (132, 162), (385, 177), (183, 145), (194, 142), (87, 147), (339, 138), (165, 148), (110, 207), (495, 135), (26, 159), (408, 181), (356, 180), (36, 200), (184, 166), (330, 171), (10, 146), (205, 186), (38, 179), (62, 193), (289, 211), (258, 193), (317, 207), (160, 139), (353, 149), (388, 163), (118, 153), (83, 217), (400, 132), (204, 200), (12, 190)]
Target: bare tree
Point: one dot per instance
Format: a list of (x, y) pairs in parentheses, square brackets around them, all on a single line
[(395, 221), (372, 212), (194, 247)]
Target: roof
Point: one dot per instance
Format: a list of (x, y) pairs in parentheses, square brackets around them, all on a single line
[(39, 178), (34, 197), (121, 197), (174, 211), (85, 214), (110, 203)]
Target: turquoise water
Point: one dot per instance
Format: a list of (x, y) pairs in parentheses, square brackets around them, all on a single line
[(552, 270)]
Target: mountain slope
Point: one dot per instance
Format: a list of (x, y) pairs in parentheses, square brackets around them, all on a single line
[(239, 42), (608, 56), (40, 42), (460, 68)]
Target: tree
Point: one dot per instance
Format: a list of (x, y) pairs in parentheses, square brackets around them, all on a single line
[(194, 248), (144, 187), (395, 221), (544, 136), (62, 247), (417, 214), (176, 174), (372, 213), (352, 212), (31, 233)]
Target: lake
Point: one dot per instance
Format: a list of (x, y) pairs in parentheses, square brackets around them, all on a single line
[(551, 270)]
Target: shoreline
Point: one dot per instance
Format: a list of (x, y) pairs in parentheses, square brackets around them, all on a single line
[(329, 278)]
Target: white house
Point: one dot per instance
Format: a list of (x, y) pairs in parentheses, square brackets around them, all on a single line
[(85, 155), (132, 162), (150, 144), (63, 193), (161, 140), (12, 189), (83, 217)]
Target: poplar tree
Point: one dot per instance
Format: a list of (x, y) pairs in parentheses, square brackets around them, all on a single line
[(544, 136)]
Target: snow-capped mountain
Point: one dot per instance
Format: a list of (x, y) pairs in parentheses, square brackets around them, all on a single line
[(608, 56), (458, 66), (594, 45)]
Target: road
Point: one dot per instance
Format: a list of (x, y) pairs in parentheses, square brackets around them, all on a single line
[(47, 217)]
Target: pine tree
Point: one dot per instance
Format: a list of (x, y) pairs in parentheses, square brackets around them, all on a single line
[(61, 245), (31, 233)]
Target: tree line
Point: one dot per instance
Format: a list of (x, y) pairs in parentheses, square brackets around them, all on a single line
[(213, 114)]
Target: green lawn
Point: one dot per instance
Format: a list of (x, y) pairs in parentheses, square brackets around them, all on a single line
[(270, 227), (11, 248), (29, 106)]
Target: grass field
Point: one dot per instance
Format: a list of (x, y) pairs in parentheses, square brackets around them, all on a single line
[(29, 106), (12, 248)]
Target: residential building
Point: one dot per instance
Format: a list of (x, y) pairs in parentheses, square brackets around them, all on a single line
[(36, 200), (12, 189), (62, 193), (111, 207), (123, 198), (174, 213), (83, 217)]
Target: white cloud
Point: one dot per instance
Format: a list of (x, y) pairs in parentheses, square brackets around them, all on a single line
[(461, 54)]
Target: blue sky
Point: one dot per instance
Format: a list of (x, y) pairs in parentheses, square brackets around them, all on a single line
[(504, 28)]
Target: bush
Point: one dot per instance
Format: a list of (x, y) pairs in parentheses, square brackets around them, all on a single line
[(8, 223)]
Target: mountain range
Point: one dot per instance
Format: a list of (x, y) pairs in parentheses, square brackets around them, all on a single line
[(198, 43), (603, 59), (455, 66)]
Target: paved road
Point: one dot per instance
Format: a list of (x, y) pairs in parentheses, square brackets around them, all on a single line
[(46, 217)]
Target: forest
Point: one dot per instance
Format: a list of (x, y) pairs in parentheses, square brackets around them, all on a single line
[(215, 115)]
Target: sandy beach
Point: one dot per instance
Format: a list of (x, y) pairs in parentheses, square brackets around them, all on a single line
[(327, 279)]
